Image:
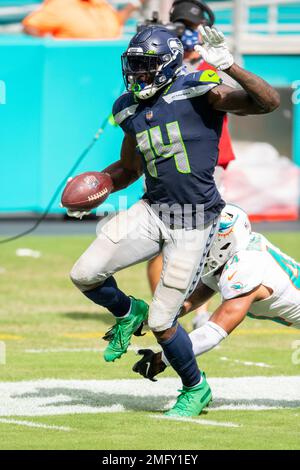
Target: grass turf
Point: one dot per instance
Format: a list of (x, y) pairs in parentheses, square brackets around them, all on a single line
[(41, 310)]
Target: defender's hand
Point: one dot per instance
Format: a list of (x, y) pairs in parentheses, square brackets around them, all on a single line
[(214, 49), (77, 214), (150, 365)]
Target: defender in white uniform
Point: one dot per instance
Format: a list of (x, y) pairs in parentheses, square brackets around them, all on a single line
[(254, 278), (262, 264)]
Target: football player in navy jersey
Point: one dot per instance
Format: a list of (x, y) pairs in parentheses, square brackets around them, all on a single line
[(172, 123)]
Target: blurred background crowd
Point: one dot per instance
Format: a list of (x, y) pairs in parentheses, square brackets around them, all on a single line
[(60, 73)]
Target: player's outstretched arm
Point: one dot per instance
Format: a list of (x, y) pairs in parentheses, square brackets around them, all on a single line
[(257, 96), (232, 312), (224, 320), (129, 168), (200, 296)]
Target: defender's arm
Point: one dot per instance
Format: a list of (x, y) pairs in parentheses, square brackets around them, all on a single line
[(257, 96), (129, 168), (202, 294), (232, 312)]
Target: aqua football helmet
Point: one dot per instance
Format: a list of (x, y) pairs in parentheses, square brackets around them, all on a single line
[(234, 235), (153, 60)]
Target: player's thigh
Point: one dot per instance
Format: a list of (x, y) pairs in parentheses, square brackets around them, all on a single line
[(184, 257), (123, 240)]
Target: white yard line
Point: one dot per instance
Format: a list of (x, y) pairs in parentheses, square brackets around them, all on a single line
[(203, 422), (31, 424), (247, 363), (49, 397), (79, 350)]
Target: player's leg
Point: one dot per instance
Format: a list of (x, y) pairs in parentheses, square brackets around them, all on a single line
[(154, 269), (184, 256), (122, 241)]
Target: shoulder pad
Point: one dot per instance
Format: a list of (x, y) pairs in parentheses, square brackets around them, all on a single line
[(210, 76), (191, 86), (242, 273), (124, 107), (203, 77)]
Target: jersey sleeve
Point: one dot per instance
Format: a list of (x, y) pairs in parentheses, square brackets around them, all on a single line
[(201, 82), (123, 109), (242, 273)]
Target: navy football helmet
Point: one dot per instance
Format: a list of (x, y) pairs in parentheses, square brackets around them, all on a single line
[(153, 60)]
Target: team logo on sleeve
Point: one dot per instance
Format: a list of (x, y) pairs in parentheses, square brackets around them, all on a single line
[(238, 286)]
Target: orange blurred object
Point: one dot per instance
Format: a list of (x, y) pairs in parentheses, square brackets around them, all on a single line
[(80, 19)]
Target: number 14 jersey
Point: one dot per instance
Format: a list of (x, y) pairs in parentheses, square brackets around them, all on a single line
[(177, 133)]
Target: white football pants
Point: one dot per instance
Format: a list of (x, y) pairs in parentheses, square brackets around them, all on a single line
[(137, 235)]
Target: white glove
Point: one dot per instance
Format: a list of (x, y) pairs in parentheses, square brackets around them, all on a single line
[(214, 49), (77, 214)]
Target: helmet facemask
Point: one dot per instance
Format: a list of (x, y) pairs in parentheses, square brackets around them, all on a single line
[(148, 68), (144, 73), (233, 235)]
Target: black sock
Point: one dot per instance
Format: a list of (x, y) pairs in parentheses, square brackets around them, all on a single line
[(110, 296), (179, 352)]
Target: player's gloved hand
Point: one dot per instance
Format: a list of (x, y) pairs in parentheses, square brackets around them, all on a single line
[(214, 49), (150, 365), (77, 214)]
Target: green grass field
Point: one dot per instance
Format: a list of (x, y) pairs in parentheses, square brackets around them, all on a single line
[(58, 393)]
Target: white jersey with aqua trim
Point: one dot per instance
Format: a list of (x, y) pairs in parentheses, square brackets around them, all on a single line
[(262, 264)]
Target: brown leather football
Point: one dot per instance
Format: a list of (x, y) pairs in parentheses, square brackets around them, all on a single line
[(87, 191)]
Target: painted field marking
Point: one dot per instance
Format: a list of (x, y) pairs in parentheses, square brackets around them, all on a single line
[(246, 363), (154, 347), (203, 422), (10, 337), (49, 397), (266, 332), (241, 332), (31, 424), (94, 334), (89, 335)]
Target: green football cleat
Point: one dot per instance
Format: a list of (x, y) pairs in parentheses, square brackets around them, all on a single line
[(121, 333), (191, 401)]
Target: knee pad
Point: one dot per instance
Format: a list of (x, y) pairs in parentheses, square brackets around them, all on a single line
[(85, 276), (179, 271), (159, 318)]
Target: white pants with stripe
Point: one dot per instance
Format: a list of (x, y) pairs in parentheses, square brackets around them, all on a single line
[(137, 235)]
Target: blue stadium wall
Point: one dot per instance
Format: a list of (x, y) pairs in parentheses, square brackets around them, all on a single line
[(54, 96)]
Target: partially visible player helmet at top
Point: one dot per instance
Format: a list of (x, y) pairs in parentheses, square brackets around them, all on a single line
[(234, 235), (152, 61), (192, 14)]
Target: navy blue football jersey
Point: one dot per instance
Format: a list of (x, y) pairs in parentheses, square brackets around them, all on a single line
[(177, 133)]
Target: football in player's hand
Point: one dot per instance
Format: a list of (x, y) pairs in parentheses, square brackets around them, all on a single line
[(87, 191)]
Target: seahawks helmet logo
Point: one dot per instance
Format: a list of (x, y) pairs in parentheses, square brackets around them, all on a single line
[(175, 46)]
